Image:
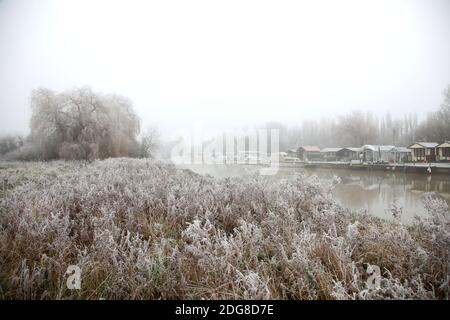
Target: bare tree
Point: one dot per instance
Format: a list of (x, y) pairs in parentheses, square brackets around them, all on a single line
[(357, 128), (436, 126), (9, 143), (150, 142)]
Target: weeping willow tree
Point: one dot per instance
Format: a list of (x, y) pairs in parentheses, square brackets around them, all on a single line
[(82, 124)]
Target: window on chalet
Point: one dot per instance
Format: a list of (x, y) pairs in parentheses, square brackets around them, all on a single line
[(446, 152), (419, 152)]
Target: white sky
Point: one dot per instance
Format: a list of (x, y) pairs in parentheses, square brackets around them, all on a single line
[(228, 62)]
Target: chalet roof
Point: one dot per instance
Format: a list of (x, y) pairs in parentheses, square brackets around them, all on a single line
[(445, 144), (330, 149), (353, 149), (426, 144), (401, 150), (310, 148), (378, 147), (370, 147)]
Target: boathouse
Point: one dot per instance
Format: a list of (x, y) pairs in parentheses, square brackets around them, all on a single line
[(376, 153), (306, 153), (423, 151), (330, 154), (401, 155), (348, 154), (443, 151)]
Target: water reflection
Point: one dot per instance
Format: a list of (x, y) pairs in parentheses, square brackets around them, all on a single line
[(374, 191), (377, 191)]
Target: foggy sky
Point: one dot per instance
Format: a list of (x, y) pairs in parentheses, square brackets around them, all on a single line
[(228, 62)]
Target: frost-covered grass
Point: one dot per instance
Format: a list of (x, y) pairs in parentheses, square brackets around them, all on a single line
[(141, 229)]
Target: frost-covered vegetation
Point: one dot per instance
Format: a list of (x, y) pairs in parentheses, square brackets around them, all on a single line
[(142, 229), (80, 124)]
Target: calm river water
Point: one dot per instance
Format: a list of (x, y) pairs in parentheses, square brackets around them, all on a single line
[(374, 191)]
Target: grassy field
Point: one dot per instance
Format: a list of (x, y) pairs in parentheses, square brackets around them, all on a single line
[(142, 229)]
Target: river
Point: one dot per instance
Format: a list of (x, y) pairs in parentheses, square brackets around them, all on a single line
[(374, 191)]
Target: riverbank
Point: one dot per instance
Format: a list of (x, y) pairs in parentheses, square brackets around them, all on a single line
[(424, 168)]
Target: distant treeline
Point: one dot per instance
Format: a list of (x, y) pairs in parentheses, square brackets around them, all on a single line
[(358, 128), (80, 124)]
